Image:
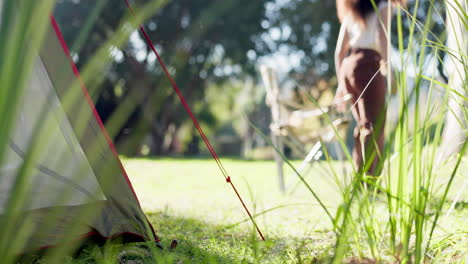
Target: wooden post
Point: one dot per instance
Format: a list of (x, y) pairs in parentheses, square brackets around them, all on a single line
[(454, 134), (270, 81)]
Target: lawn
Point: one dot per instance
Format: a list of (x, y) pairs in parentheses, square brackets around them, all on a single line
[(188, 200)]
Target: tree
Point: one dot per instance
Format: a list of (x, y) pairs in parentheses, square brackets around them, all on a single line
[(310, 28), (202, 41)]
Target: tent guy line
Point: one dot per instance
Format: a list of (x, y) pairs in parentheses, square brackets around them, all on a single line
[(194, 120)]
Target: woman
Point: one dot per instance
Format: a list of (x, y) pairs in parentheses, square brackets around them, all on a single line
[(361, 63)]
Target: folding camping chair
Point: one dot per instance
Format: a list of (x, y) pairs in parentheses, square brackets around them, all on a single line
[(295, 126)]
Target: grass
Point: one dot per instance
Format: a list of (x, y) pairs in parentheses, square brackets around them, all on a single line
[(200, 193), (186, 199)]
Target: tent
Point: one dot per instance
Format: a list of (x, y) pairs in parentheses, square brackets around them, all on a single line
[(77, 187)]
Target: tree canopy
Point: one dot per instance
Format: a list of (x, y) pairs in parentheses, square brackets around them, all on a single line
[(205, 43)]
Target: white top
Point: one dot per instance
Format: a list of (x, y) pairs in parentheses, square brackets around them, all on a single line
[(365, 37)]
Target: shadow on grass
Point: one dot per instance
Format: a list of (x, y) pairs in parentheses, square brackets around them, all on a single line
[(201, 242), (198, 243)]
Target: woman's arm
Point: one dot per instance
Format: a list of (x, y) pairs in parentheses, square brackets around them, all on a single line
[(342, 46)]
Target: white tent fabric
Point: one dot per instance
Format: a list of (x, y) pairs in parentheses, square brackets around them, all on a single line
[(63, 175), (77, 186)]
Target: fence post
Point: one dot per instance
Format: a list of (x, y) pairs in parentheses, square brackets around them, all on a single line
[(270, 81), (454, 134)]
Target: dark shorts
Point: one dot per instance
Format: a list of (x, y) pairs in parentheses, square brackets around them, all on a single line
[(360, 74)]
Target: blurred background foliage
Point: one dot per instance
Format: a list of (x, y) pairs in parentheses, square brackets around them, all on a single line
[(213, 49)]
